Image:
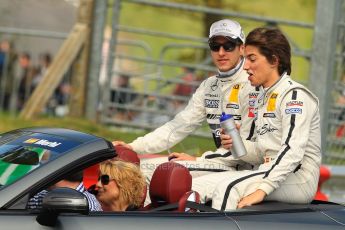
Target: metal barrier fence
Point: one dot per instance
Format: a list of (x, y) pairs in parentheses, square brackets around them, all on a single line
[(157, 84), (49, 91), (334, 82), (156, 79)]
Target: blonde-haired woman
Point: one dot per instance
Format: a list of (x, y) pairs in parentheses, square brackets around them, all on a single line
[(120, 186)]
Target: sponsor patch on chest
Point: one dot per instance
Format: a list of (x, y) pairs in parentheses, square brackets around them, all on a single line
[(251, 112), (253, 95), (232, 106), (211, 95), (211, 103), (270, 115), (213, 116), (271, 105), (251, 101), (293, 111), (233, 97), (294, 103)]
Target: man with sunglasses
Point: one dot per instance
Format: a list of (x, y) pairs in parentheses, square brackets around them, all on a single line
[(74, 181), (228, 91)]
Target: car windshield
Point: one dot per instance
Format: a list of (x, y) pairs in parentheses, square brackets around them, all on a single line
[(23, 152), (16, 161)]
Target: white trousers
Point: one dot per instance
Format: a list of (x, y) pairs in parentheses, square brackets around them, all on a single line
[(225, 189)]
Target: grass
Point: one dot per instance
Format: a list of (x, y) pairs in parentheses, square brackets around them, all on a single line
[(192, 145)]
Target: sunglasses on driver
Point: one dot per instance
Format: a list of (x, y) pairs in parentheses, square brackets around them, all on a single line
[(227, 46), (105, 179)]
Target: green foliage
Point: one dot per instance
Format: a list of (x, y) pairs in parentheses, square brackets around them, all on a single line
[(10, 122), (192, 145), (181, 22)]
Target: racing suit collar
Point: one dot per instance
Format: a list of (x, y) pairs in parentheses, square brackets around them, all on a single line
[(275, 85), (226, 76), (261, 98)]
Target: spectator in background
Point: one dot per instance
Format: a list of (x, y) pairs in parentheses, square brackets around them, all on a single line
[(341, 102), (186, 89), (340, 131), (26, 75), (120, 186), (44, 62), (73, 181), (4, 48), (122, 95), (58, 103), (8, 58)]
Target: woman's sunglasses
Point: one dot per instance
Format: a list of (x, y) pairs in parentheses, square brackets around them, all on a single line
[(105, 179), (228, 46)]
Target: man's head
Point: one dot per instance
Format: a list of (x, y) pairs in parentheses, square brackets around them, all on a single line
[(123, 80), (71, 180), (226, 40), (268, 56), (24, 59), (272, 44), (75, 177)]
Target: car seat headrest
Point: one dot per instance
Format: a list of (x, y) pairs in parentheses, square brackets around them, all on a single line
[(127, 154), (169, 183)]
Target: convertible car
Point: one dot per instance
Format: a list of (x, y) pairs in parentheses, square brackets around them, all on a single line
[(34, 158)]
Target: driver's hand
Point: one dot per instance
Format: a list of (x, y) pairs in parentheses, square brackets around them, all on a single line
[(181, 157), (226, 140), (254, 198), (122, 143)]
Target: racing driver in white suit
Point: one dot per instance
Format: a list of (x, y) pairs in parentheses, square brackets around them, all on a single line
[(229, 91), (287, 139)]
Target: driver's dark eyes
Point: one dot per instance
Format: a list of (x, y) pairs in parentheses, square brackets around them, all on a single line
[(228, 46)]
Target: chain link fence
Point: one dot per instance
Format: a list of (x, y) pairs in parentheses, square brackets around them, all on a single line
[(148, 75), (159, 85), (151, 97)]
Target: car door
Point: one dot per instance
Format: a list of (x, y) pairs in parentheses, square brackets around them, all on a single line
[(286, 219), (19, 220), (150, 221)]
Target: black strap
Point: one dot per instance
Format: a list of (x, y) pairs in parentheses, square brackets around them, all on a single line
[(207, 170), (215, 155), (297, 168), (189, 204), (200, 207), (167, 207)]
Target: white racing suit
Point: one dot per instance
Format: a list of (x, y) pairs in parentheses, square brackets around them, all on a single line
[(214, 95), (288, 141)]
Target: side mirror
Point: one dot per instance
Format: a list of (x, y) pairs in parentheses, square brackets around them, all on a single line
[(61, 200)]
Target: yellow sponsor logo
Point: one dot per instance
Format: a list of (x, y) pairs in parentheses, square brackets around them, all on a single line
[(42, 142), (271, 106), (31, 140), (233, 98)]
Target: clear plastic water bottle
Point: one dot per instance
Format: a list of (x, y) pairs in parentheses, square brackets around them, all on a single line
[(227, 122)]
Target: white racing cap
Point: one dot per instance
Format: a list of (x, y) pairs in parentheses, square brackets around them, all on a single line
[(227, 28)]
